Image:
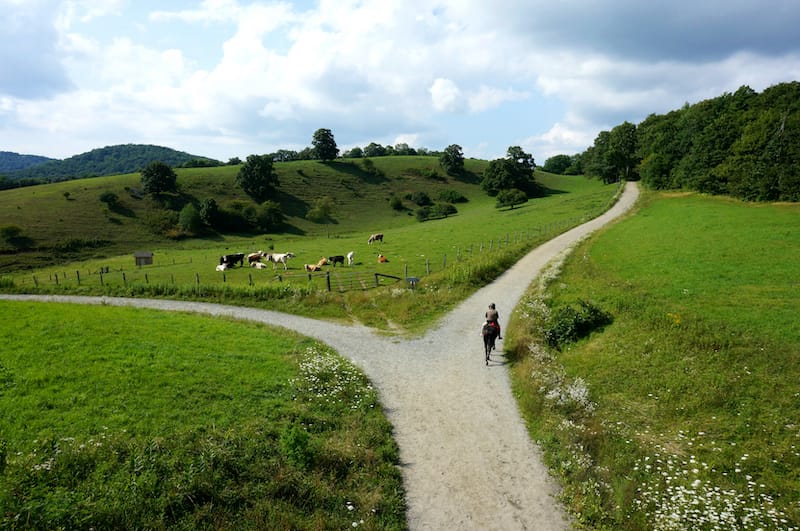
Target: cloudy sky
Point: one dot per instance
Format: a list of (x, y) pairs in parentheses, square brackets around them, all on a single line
[(230, 78)]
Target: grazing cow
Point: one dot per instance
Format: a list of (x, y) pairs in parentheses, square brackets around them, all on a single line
[(322, 261), (222, 267), (231, 259), (254, 257), (377, 237), (311, 267), (338, 259), (350, 256), (280, 258), (259, 265), (382, 259)]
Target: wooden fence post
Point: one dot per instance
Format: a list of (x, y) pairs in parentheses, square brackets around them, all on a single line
[(328, 279), (146, 279), (101, 278), (35, 281), (78, 276), (124, 279), (427, 266)]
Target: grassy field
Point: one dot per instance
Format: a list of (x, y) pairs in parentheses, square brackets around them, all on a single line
[(684, 412), (461, 252), (119, 418)]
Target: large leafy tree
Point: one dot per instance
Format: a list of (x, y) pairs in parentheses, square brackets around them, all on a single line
[(452, 159), (257, 178), (324, 145), (158, 177), (515, 171)]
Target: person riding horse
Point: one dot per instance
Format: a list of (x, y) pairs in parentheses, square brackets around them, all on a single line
[(492, 317)]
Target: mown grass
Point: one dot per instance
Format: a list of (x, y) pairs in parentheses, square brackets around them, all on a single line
[(120, 418), (683, 413)]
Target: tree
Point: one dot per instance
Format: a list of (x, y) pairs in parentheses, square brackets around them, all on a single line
[(257, 178), (209, 212), (511, 198), (158, 178), (514, 171), (557, 164), (452, 159), (269, 216), (374, 150), (234, 161), (321, 211), (189, 218), (324, 145)]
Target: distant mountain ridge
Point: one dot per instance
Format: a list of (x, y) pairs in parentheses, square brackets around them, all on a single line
[(10, 161), (109, 160)]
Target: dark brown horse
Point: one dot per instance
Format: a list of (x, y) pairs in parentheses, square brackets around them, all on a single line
[(490, 334)]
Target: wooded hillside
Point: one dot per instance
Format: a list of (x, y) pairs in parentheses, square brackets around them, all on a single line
[(744, 144)]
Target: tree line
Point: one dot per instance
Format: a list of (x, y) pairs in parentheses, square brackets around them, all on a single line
[(744, 144)]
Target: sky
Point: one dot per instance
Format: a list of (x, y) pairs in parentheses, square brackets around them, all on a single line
[(231, 78)]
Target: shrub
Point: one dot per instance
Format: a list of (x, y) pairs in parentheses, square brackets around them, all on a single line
[(567, 324), (452, 196), (110, 198)]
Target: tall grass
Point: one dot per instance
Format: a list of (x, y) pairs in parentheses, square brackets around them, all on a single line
[(683, 412), (120, 418)]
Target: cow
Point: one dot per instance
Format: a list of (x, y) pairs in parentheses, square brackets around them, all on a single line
[(382, 259), (311, 267), (258, 265), (222, 267), (338, 259), (255, 257), (322, 261), (231, 259), (350, 258), (280, 258), (377, 237)]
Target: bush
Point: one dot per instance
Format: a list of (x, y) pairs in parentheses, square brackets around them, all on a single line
[(189, 218), (110, 198), (567, 324), (452, 196)]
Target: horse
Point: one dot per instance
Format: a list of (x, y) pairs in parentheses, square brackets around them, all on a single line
[(489, 333)]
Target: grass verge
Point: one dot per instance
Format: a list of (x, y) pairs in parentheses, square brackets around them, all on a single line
[(682, 413)]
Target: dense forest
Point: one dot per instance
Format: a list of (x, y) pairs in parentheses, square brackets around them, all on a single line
[(110, 160), (744, 144), (14, 161)]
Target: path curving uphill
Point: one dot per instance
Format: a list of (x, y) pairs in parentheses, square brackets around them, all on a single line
[(466, 457)]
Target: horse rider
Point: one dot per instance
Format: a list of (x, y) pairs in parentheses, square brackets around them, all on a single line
[(493, 318)]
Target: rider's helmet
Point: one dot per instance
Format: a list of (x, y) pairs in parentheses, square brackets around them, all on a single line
[(491, 306)]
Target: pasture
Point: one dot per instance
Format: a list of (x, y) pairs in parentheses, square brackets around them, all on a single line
[(120, 418), (683, 412), (459, 252)]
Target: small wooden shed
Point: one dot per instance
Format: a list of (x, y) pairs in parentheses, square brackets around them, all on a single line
[(143, 258)]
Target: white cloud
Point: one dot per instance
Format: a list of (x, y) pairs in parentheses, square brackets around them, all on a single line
[(445, 95)]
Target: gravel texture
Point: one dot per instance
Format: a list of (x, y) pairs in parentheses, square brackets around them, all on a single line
[(466, 457)]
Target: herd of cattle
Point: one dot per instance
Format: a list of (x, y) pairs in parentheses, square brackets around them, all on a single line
[(228, 261)]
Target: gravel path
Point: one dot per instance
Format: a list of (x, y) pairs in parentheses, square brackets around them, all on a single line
[(466, 457)]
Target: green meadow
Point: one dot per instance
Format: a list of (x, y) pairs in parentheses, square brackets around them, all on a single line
[(461, 252), (120, 418), (683, 412), (123, 418)]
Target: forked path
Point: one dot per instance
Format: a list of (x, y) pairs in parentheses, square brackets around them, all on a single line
[(466, 457)]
